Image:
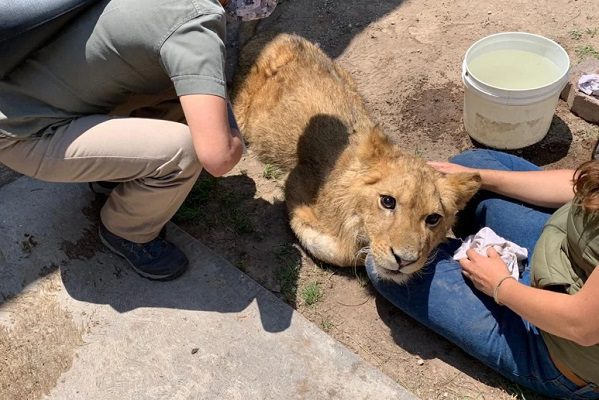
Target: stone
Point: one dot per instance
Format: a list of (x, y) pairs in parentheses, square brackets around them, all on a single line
[(585, 106)]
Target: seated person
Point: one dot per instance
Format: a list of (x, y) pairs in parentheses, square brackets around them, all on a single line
[(541, 331)]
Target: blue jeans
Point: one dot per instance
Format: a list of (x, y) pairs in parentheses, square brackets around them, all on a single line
[(446, 302)]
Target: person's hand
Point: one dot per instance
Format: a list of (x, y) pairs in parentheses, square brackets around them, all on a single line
[(485, 272), (449, 168)]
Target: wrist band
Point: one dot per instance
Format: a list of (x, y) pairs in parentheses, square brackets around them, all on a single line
[(497, 288)]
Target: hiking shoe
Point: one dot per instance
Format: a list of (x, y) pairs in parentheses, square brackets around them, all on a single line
[(102, 187), (157, 260)]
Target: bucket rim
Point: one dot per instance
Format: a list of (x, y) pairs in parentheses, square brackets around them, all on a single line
[(507, 97), (563, 76)]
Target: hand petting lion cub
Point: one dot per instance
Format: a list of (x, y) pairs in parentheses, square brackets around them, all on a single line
[(350, 191)]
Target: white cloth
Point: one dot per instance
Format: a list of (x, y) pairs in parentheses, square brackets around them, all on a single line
[(511, 254), (246, 10), (589, 84)]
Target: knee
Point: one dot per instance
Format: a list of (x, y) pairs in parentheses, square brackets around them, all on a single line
[(182, 151), (477, 158)]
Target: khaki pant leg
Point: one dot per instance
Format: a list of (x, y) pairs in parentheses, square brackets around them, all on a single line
[(154, 160)]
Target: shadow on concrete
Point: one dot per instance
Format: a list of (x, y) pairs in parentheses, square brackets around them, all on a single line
[(7, 175), (209, 286), (48, 227), (93, 274)]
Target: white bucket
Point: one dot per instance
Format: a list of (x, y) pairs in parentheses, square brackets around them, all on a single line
[(512, 118)]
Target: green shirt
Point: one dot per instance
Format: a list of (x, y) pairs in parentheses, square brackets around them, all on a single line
[(565, 255), (113, 50)]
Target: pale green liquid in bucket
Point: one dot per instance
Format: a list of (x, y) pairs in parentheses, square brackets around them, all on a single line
[(514, 69)]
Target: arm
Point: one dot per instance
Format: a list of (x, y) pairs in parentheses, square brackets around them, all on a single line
[(573, 317), (218, 145), (550, 188)]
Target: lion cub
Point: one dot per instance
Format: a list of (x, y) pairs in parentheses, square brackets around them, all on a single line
[(350, 191)]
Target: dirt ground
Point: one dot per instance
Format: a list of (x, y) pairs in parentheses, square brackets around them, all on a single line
[(406, 58)]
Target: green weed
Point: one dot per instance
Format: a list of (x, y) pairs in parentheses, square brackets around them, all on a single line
[(326, 324), (271, 172), (576, 34), (586, 51), (192, 209), (312, 293), (288, 256), (592, 32)]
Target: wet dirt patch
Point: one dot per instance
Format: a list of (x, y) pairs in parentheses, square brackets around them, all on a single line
[(435, 111), (84, 248)]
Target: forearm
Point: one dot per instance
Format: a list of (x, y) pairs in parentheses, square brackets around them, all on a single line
[(550, 188), (218, 145), (574, 317), (560, 314), (220, 155)]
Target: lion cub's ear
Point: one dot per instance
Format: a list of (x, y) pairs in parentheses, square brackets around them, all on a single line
[(374, 147), (457, 189)]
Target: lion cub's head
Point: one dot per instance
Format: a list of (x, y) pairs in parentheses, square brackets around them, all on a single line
[(406, 206)]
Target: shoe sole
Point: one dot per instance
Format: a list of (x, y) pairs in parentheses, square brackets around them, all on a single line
[(141, 273)]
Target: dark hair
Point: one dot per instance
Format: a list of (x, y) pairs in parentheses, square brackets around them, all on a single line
[(586, 185)]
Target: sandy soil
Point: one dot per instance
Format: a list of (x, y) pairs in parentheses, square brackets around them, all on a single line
[(406, 58)]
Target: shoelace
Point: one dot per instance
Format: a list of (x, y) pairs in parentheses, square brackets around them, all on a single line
[(152, 249)]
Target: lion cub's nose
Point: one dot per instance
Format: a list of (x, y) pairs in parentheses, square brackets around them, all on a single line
[(404, 258)]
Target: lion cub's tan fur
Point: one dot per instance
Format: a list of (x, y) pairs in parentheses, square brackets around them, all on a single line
[(300, 111)]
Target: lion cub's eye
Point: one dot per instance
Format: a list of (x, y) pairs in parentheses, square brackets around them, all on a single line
[(433, 219), (388, 202)]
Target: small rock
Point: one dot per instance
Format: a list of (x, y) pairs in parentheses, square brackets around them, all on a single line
[(194, 350), (421, 362), (586, 107)]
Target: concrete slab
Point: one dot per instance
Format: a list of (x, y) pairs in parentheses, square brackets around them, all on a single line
[(7, 175), (212, 334)]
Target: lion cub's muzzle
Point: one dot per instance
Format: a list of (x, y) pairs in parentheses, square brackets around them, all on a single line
[(403, 258), (396, 265)]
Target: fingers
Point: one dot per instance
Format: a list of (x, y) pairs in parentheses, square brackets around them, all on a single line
[(466, 265), (448, 167), (441, 166), (472, 254), (492, 253)]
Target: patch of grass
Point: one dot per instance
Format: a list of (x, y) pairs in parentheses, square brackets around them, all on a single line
[(192, 208), (518, 392), (326, 324), (195, 208), (232, 216), (271, 172), (312, 293), (239, 221), (576, 34), (592, 32), (240, 264), (289, 258), (586, 51)]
